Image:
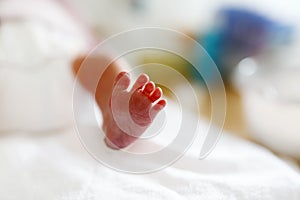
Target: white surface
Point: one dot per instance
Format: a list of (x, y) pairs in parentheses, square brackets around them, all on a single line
[(56, 166), (36, 52), (35, 76)]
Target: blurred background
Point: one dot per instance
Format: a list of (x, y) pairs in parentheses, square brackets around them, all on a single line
[(254, 43), (48, 142)]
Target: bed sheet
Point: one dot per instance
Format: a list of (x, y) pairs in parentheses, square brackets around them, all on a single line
[(55, 165)]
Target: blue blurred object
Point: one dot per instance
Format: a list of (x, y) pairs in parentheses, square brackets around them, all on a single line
[(237, 34)]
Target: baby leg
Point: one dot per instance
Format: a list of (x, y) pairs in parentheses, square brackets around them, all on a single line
[(123, 122)]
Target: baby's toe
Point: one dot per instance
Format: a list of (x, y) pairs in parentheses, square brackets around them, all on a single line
[(119, 76), (122, 81), (149, 87), (140, 82), (156, 94)]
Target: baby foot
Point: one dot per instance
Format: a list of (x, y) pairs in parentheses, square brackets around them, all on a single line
[(132, 111)]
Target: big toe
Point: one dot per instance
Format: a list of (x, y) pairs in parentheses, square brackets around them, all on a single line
[(122, 81), (140, 82)]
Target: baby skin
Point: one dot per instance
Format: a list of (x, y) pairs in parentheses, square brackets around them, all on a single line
[(127, 112)]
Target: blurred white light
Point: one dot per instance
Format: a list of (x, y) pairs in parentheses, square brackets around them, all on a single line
[(247, 67)]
